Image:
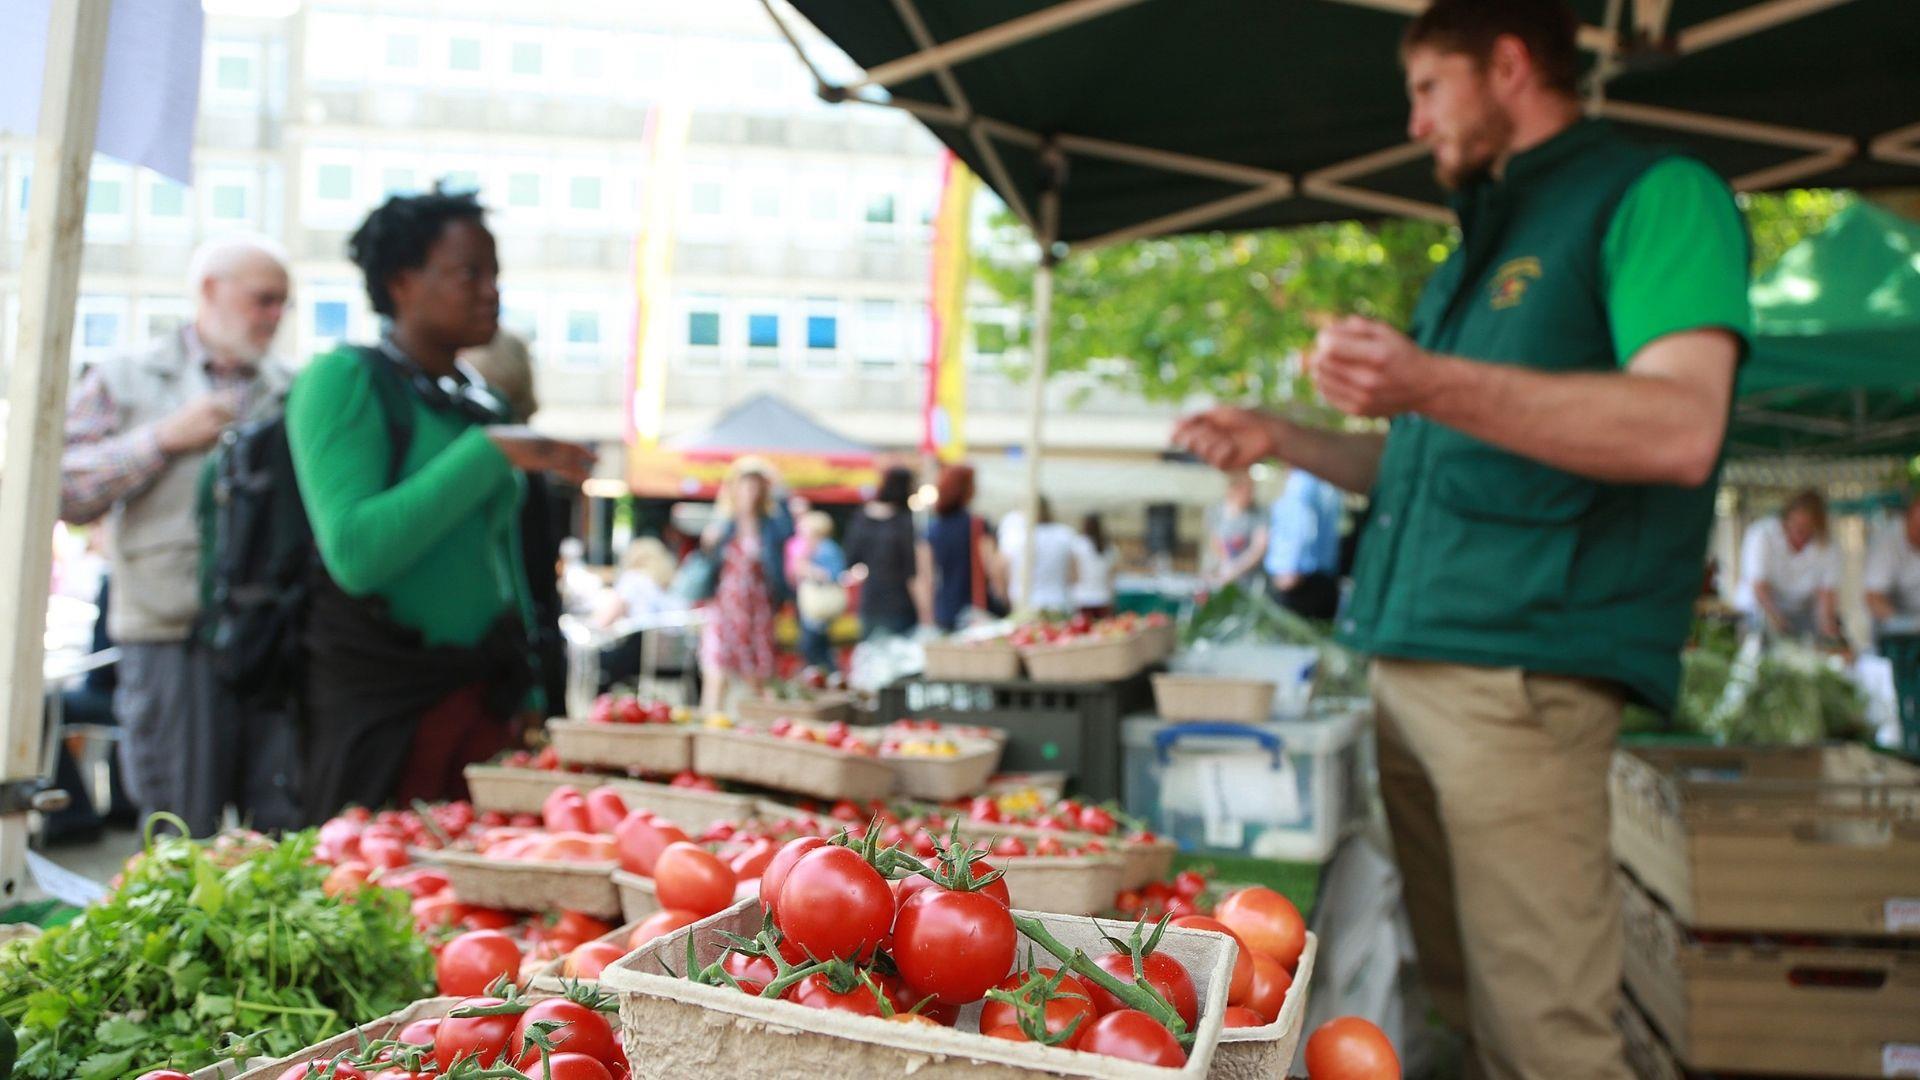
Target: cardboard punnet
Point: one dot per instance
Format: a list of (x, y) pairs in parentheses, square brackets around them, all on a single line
[(1264, 1052), (527, 885), (1084, 660), (345, 1043), (994, 660), (674, 1028), (945, 778), (652, 748), (824, 708), (1811, 840), (1213, 698), (808, 768), (507, 790)]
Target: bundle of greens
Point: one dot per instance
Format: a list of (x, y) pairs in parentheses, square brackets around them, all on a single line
[(1240, 616), (200, 940), (1773, 694)]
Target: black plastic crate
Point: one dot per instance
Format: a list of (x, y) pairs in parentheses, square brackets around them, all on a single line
[(1051, 727)]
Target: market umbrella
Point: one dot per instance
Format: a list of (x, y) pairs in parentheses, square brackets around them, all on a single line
[(1835, 368), (1099, 121), (812, 459)]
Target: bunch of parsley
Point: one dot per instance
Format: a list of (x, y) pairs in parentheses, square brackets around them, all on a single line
[(205, 951)]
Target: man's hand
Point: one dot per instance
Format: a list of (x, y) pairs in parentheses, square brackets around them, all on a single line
[(1367, 368), (1229, 438), (530, 452), (196, 425)]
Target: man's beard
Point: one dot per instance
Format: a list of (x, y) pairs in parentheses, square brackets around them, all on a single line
[(1481, 146), (231, 343)]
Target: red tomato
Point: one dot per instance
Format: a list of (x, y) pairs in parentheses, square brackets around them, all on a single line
[(398, 1073), (589, 960), (1239, 1016), (953, 945), (691, 878), (742, 967), (815, 992), (333, 1070), (1070, 1000), (416, 881), (1009, 1032), (1163, 973), (419, 1033), (1182, 908), (384, 852), (580, 926), (753, 860), (346, 879), (605, 809), (1189, 883), (482, 1038), (564, 810), (775, 875), (659, 924), (835, 906), (164, 1074), (1350, 1048), (1128, 902), (907, 887), (1267, 922), (1268, 991), (488, 919), (1049, 845), (565, 1067), (584, 1031), (1135, 1036), (641, 838), (471, 962), (984, 809), (1242, 983), (1008, 847), (1096, 821)]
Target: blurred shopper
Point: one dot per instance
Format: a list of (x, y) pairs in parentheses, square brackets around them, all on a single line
[(1093, 563), (1236, 538), (815, 565), (1893, 569), (894, 567), (1790, 573), (420, 627), (962, 550), (747, 542), (1054, 572), (138, 432), (506, 365), (1303, 546)]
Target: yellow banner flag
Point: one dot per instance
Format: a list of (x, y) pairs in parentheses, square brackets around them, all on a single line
[(944, 429)]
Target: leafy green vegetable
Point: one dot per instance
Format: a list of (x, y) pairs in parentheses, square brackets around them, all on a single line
[(201, 940), (1235, 615), (1780, 693)]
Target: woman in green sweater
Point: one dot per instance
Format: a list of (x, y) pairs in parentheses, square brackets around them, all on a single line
[(417, 638)]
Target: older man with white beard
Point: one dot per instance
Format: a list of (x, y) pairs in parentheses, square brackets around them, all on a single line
[(139, 429)]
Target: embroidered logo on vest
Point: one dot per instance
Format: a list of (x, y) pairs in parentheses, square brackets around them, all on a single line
[(1510, 282)]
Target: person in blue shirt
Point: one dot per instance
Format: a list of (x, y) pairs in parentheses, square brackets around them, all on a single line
[(1303, 546), (818, 560)]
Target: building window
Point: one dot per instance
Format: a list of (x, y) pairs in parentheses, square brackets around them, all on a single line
[(823, 204), (588, 63), (100, 329), (823, 332), (330, 319), (528, 58), (766, 202), (880, 210), (523, 189), (403, 50), (334, 182), (763, 331), (583, 328), (230, 202), (459, 181), (166, 199), (703, 328), (707, 199), (463, 54), (583, 193), (879, 334), (397, 182), (105, 197), (521, 321), (233, 73)]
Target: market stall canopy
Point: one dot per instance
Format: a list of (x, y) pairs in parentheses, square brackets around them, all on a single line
[(1180, 115), (1835, 368), (812, 459)]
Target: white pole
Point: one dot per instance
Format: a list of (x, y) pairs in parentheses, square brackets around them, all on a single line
[(29, 499), (1042, 346)]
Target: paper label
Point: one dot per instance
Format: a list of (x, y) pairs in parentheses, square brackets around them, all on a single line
[(1900, 1059), (1220, 827), (1903, 914)]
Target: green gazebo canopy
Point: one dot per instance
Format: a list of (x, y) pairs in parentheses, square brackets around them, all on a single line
[(1835, 368)]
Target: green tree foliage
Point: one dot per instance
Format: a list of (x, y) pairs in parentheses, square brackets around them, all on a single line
[(1226, 314)]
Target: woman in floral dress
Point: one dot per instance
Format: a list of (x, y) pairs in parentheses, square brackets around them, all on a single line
[(749, 539)]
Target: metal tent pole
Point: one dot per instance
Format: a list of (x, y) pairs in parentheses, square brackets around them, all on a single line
[(1053, 173), (29, 499)]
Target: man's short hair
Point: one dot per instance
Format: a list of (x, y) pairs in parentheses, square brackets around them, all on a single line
[(222, 255), (1548, 28)]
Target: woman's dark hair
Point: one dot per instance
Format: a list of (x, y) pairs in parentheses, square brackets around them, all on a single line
[(398, 234), (956, 489), (896, 487), (1094, 531)]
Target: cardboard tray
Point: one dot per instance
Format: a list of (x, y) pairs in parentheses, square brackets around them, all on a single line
[(1265, 1052), (823, 709), (807, 768), (1091, 661), (691, 809), (1063, 884), (1211, 698), (1757, 1005), (1144, 862), (941, 779), (994, 660), (518, 791), (652, 748), (524, 885), (1809, 840), (346, 1042), (674, 1029)]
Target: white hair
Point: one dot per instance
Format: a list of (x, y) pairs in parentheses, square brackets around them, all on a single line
[(223, 255)]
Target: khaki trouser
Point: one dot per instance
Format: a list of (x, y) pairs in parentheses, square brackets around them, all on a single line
[(1495, 784)]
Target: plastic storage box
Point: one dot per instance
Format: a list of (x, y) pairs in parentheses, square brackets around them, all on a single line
[(1288, 790)]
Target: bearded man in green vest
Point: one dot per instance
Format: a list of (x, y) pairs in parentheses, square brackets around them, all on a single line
[(1540, 509)]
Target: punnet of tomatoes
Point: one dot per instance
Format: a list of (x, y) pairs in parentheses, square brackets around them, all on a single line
[(626, 709), (856, 925), (836, 736), (495, 1035)]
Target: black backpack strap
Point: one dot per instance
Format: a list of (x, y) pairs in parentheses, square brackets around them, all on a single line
[(396, 407)]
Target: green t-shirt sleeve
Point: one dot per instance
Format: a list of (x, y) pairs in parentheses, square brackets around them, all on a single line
[(1676, 258), (369, 534)]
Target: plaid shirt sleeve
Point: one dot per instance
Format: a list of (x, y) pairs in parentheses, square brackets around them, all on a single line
[(102, 464)]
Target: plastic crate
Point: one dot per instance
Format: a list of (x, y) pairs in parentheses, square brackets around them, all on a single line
[(1903, 652), (1286, 790), (1072, 728)]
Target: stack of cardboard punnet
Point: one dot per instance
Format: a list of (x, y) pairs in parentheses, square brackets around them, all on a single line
[(1772, 903)]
